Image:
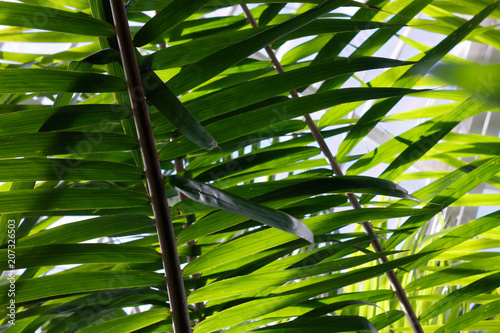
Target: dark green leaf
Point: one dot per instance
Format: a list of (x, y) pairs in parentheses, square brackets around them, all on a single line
[(270, 13), (65, 199), (169, 105), (62, 143), (64, 254), (66, 169), (85, 230), (104, 56), (62, 284), (170, 16), (55, 81), (250, 92), (266, 239), (46, 18), (214, 197), (40, 119), (385, 319)]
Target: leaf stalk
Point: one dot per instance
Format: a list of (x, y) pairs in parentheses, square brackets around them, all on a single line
[(154, 177)]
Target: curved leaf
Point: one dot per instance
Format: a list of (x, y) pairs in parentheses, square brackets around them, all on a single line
[(169, 105), (214, 197), (248, 93)]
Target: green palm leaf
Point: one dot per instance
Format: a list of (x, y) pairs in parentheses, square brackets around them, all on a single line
[(79, 235)]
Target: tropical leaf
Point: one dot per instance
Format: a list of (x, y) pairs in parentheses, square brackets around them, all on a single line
[(168, 104), (46, 18), (53, 81), (211, 196), (474, 316), (396, 90), (64, 284), (63, 254), (129, 323), (174, 13)]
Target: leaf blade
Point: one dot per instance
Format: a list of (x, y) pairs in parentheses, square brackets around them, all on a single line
[(46, 18), (23, 80), (214, 197), (65, 254), (169, 17), (171, 107)]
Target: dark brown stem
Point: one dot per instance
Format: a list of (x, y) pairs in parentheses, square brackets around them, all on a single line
[(377, 246), (154, 177)]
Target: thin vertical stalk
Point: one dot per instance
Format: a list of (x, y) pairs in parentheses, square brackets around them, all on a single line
[(154, 177), (393, 279)]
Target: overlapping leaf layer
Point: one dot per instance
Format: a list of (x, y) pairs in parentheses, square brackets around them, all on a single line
[(260, 194)]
